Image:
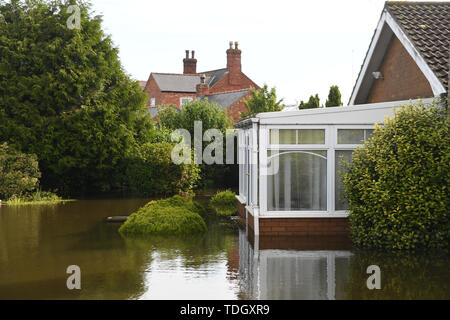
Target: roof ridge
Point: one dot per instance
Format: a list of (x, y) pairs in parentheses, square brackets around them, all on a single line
[(231, 91), (212, 70), (177, 74)]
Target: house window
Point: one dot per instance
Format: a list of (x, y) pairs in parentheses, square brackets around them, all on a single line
[(341, 156), (184, 100), (353, 136), (301, 136), (300, 181), (152, 102)]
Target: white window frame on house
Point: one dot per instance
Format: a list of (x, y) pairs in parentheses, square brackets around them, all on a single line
[(185, 99), (330, 146), (152, 102)]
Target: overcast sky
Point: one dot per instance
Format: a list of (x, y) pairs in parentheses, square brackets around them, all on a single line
[(299, 47)]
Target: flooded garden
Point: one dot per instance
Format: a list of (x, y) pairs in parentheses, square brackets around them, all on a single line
[(38, 243)]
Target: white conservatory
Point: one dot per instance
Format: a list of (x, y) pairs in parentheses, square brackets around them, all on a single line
[(288, 164)]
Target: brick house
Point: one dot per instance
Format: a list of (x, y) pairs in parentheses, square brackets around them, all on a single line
[(408, 56), (228, 86)]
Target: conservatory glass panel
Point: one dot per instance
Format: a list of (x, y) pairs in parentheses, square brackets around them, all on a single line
[(354, 136), (340, 201), (350, 136), (300, 183), (311, 136), (284, 136), (368, 133)]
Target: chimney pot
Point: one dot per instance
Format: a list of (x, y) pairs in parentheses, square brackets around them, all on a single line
[(236, 44), (231, 44), (193, 53), (187, 54)]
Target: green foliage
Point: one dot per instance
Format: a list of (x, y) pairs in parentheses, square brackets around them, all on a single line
[(398, 184), (38, 197), (210, 114), (19, 173), (224, 203), (313, 102), (334, 97), (172, 216), (152, 172), (262, 100), (66, 97), (212, 117)]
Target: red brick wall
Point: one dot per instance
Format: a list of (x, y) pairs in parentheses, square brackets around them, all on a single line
[(152, 90), (223, 84), (304, 226), (169, 98), (403, 80), (241, 209), (235, 108)]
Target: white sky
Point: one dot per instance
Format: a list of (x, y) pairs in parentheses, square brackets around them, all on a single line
[(300, 47)]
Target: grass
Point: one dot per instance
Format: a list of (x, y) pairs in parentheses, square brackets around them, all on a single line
[(172, 216), (37, 198), (224, 203)]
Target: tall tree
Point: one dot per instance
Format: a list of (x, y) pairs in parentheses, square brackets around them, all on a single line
[(65, 96), (262, 100), (313, 102), (334, 97)]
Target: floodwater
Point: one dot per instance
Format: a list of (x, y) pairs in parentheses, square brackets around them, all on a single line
[(38, 243)]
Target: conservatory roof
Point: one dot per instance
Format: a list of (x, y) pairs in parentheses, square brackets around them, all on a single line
[(360, 114)]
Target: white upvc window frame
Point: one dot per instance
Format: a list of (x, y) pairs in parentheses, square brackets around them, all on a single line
[(186, 99), (329, 146)]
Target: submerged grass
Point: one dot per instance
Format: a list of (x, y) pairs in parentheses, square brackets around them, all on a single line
[(172, 216), (224, 203), (37, 198)]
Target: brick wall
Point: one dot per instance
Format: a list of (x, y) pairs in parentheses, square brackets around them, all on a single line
[(152, 90), (223, 85), (304, 227), (235, 108), (402, 78)]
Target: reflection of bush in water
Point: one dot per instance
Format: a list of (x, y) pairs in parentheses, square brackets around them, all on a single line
[(195, 250), (403, 275)]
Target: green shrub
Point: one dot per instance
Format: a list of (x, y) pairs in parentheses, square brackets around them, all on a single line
[(224, 203), (152, 172), (398, 184), (172, 216), (19, 173)]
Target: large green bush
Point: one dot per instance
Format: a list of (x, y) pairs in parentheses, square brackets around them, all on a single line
[(398, 184), (172, 216), (152, 172), (19, 173), (224, 203), (66, 98)]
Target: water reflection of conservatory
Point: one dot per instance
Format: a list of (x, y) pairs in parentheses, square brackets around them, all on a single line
[(289, 163)]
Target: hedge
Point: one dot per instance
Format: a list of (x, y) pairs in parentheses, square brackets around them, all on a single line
[(152, 172), (398, 184)]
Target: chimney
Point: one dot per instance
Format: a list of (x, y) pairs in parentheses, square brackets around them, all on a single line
[(189, 64), (202, 88), (234, 63)]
